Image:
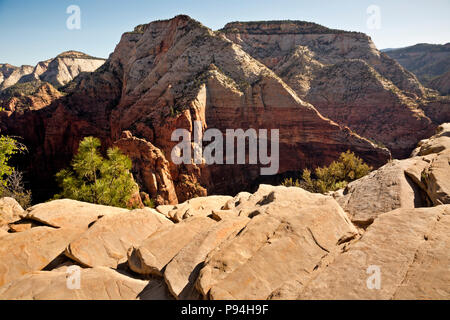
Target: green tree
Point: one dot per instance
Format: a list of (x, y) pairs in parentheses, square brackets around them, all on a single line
[(8, 147), (337, 175), (11, 184), (95, 179)]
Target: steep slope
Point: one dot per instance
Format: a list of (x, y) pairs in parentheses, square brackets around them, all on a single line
[(9, 75), (426, 61), (441, 83), (344, 76), (271, 41), (33, 95), (166, 75)]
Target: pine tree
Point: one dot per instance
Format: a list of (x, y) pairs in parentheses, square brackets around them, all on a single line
[(95, 179)]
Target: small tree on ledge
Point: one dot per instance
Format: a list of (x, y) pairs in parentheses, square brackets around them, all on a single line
[(91, 178)]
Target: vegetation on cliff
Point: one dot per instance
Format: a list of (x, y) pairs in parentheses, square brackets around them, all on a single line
[(11, 184), (337, 175), (92, 178)]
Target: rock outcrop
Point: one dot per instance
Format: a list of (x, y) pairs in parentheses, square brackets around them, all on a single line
[(106, 243), (374, 240), (201, 206), (344, 76), (152, 256), (55, 213), (404, 245), (289, 233), (98, 284), (28, 96), (419, 181), (10, 211), (31, 250)]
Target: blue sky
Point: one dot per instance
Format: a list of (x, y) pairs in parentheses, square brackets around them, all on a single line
[(32, 31)]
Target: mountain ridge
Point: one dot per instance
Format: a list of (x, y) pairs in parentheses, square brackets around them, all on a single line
[(429, 62)]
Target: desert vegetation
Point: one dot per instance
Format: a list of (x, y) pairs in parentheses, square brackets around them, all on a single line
[(95, 179), (11, 180), (337, 175)]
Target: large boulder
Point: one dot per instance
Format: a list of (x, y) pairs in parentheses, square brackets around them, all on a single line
[(435, 144), (290, 231), (95, 284), (106, 243), (180, 274), (31, 250), (70, 213), (383, 190), (420, 181), (159, 249), (409, 249), (428, 276), (437, 178), (10, 211)]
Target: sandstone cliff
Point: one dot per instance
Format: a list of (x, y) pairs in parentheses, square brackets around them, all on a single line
[(168, 74), (344, 76), (326, 90)]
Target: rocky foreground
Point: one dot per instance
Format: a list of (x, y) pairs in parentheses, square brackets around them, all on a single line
[(278, 243)]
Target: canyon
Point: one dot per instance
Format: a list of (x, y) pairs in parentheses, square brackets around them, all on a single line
[(326, 90), (219, 231)]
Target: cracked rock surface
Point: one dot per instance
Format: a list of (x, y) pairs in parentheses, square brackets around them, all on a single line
[(386, 236)]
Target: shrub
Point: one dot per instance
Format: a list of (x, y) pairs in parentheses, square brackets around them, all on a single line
[(11, 184), (149, 203), (8, 147), (91, 178), (14, 188), (289, 182), (337, 175)]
